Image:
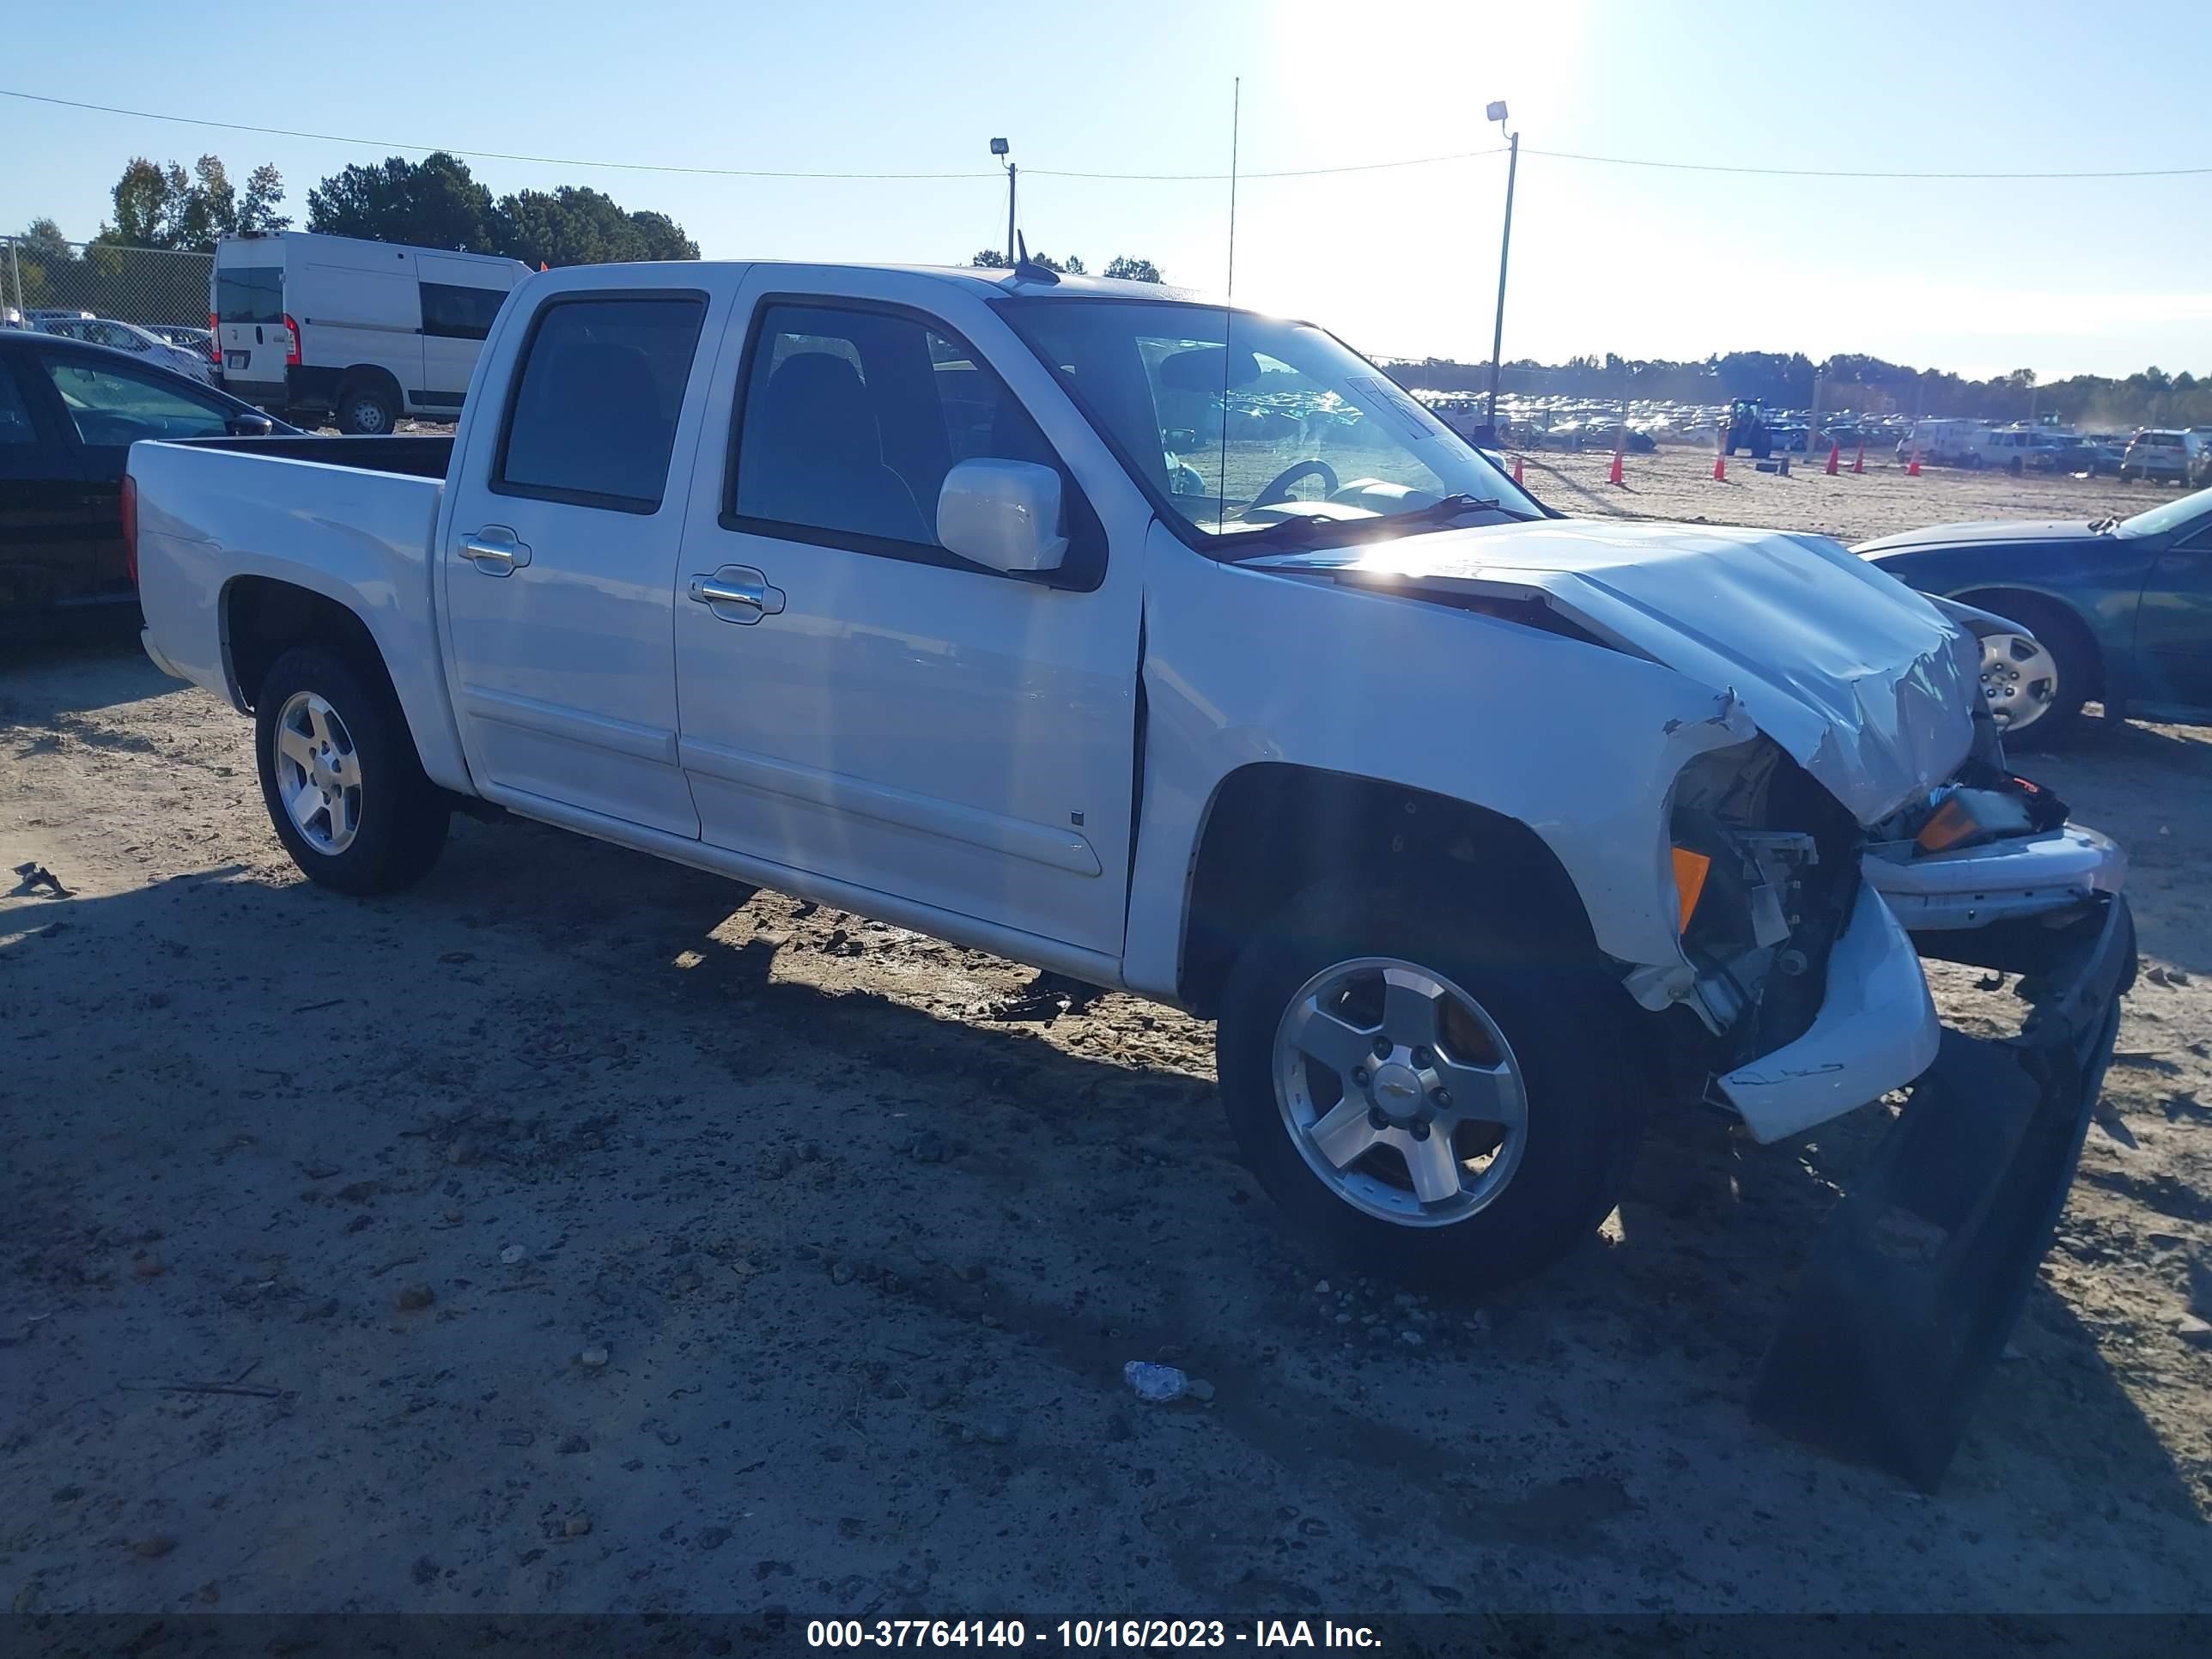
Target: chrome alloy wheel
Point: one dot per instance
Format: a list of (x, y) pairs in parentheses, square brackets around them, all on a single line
[(2020, 679), (317, 771), (1399, 1091)]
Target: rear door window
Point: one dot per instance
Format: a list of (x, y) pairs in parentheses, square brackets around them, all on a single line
[(249, 294), (591, 420)]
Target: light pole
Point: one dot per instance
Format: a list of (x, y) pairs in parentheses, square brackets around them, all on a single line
[(999, 148), (1496, 112)]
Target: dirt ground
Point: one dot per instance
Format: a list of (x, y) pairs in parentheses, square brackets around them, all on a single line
[(577, 1232), (1676, 481)]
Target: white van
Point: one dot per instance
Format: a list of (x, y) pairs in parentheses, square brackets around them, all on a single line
[(2022, 448), (366, 331), (1946, 441)]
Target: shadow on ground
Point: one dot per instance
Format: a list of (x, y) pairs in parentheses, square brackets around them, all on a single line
[(1104, 1193)]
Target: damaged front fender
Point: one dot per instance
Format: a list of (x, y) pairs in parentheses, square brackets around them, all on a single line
[(1914, 1284)]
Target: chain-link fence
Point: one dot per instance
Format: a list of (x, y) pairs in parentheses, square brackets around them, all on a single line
[(151, 287)]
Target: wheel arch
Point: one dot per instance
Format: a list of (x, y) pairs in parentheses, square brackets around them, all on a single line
[(262, 616), (1272, 828)]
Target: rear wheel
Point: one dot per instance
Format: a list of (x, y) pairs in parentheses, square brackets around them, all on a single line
[(340, 777), (1421, 1095), (367, 410)]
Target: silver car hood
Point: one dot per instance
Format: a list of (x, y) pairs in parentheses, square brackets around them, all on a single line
[(1861, 679)]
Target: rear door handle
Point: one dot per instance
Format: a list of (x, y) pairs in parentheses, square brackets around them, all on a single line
[(495, 551), (736, 593)]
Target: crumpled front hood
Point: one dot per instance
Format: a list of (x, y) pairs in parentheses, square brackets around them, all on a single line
[(1861, 679)]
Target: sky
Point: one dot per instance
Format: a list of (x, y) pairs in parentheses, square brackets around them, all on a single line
[(1980, 277)]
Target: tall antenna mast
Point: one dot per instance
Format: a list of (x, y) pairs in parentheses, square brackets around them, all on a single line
[(1236, 111), (1236, 115)]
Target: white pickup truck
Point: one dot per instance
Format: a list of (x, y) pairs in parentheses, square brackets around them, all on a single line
[(1176, 649)]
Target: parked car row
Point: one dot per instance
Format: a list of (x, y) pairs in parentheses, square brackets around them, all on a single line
[(149, 344), (2157, 454)]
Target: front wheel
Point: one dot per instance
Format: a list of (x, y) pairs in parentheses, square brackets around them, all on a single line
[(340, 777), (2035, 683), (1421, 1095)]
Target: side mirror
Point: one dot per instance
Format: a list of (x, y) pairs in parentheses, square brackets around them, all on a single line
[(1004, 514), (249, 426)]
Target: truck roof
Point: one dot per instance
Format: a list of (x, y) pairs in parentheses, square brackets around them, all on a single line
[(979, 279)]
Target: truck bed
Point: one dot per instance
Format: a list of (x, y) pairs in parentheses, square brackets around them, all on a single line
[(351, 520)]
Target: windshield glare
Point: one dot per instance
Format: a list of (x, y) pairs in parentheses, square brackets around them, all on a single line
[(2171, 515), (1240, 422)]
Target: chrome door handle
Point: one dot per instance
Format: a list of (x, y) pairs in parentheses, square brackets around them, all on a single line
[(495, 551), (708, 591), (736, 593)]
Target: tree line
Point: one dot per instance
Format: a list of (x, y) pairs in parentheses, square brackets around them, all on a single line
[(1121, 268), (1850, 381), (432, 203)]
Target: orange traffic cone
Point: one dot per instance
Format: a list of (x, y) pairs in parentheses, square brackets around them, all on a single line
[(1517, 478), (1613, 476), (1858, 461), (1835, 454), (1720, 467), (1912, 471)]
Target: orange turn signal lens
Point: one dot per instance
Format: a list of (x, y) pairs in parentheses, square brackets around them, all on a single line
[(1690, 870), (1949, 824)]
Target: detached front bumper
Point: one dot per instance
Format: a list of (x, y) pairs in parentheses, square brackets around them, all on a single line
[(1914, 1285), (1877, 1029)]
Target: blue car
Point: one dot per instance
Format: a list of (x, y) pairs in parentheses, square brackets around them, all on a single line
[(2117, 610)]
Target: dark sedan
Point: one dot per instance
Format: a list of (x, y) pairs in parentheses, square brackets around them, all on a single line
[(68, 414), (2118, 612)]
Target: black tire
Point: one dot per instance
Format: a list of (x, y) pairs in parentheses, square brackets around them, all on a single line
[(400, 826), (1571, 1029), (367, 410), (2073, 652), (1761, 449)]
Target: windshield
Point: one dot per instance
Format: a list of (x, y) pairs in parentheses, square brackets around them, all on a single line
[(2173, 515), (1241, 424)]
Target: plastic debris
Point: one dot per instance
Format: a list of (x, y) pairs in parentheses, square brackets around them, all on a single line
[(36, 876), (1155, 1384)]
